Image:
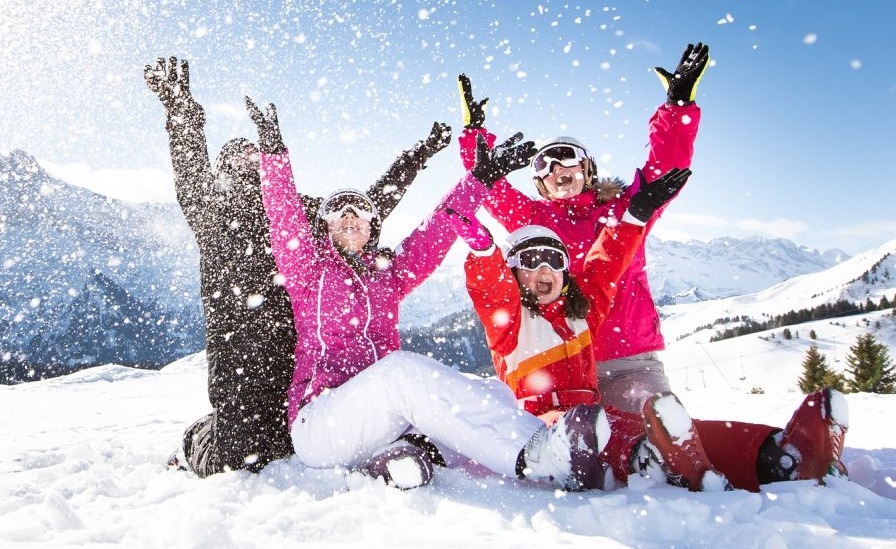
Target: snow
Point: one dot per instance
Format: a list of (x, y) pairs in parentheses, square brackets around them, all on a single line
[(83, 465)]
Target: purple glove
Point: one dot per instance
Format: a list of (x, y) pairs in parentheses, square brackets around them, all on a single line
[(471, 230)]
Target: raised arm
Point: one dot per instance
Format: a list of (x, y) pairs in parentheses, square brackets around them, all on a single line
[(421, 253), (490, 283), (390, 188), (291, 239), (510, 207), (673, 127), (611, 254), (185, 123)]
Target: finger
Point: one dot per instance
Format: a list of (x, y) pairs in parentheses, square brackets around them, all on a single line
[(466, 87), (172, 70), (254, 113), (272, 113), (185, 75), (148, 74), (512, 140), (685, 55)]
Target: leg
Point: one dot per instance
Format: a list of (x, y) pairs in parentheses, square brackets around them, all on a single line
[(733, 448), (625, 383), (344, 426)]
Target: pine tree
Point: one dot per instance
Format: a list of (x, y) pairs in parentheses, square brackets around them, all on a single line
[(812, 334), (870, 369), (817, 374)]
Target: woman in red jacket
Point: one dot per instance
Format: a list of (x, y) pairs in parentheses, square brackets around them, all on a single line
[(537, 314)]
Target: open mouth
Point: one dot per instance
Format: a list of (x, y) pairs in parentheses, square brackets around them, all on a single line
[(543, 287), (564, 181)]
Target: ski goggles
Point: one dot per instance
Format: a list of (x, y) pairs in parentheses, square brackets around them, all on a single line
[(337, 205), (568, 156), (530, 259)]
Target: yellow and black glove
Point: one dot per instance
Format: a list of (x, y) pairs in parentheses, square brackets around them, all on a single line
[(473, 111), (681, 86)]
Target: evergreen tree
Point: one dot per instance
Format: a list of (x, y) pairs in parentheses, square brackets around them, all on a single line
[(812, 334), (870, 369), (786, 334), (816, 373)]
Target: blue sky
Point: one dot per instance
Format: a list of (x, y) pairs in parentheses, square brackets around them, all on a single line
[(796, 139)]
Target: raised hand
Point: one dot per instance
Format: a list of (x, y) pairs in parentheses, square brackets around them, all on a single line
[(652, 196), (439, 138), (269, 139), (681, 86), (170, 85), (473, 111), (470, 230), (493, 164)]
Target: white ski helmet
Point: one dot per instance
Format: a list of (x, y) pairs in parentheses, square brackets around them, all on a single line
[(532, 236), (590, 167)]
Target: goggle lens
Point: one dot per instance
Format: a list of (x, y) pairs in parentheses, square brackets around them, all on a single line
[(567, 156), (336, 206), (530, 259)]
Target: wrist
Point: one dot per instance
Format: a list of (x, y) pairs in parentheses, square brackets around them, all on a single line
[(629, 217)]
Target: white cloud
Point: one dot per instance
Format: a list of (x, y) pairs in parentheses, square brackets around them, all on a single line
[(132, 185)]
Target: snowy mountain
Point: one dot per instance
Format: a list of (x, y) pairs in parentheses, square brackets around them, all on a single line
[(696, 271), (868, 276), (87, 280)]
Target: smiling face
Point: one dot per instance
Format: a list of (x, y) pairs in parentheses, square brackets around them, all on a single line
[(349, 233), (544, 282), (562, 182)]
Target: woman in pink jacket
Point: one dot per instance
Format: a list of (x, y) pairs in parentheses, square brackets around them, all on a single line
[(354, 394), (628, 368)]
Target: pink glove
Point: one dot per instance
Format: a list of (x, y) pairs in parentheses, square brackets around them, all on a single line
[(471, 230)]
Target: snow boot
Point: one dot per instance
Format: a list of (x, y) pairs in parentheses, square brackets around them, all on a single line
[(671, 431), (568, 452), (815, 434), (402, 465)]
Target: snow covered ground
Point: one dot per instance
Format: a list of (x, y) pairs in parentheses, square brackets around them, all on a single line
[(82, 464)]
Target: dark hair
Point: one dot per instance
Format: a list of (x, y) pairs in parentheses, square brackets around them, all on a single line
[(576, 306)]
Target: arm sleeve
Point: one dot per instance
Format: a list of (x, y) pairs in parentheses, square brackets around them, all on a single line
[(423, 250), (189, 159), (496, 300), (607, 260), (511, 208), (389, 189), (291, 239)]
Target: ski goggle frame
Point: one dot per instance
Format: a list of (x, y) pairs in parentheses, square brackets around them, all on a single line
[(334, 207), (568, 156), (531, 259)]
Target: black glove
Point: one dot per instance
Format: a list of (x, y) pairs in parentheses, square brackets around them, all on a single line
[(681, 87), (492, 165), (652, 196), (474, 111), (173, 88), (439, 138), (269, 139)]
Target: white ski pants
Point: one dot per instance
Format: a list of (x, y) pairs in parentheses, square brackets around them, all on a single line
[(480, 419)]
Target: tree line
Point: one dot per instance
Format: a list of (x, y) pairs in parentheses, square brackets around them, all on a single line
[(869, 369)]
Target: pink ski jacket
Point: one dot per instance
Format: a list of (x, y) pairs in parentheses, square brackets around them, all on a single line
[(346, 321), (633, 325)]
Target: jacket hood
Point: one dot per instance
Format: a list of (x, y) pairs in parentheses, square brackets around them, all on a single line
[(231, 166)]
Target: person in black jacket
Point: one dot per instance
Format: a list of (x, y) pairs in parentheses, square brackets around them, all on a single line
[(250, 337)]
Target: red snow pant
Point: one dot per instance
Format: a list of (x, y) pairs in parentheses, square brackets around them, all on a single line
[(731, 446), (733, 449)]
